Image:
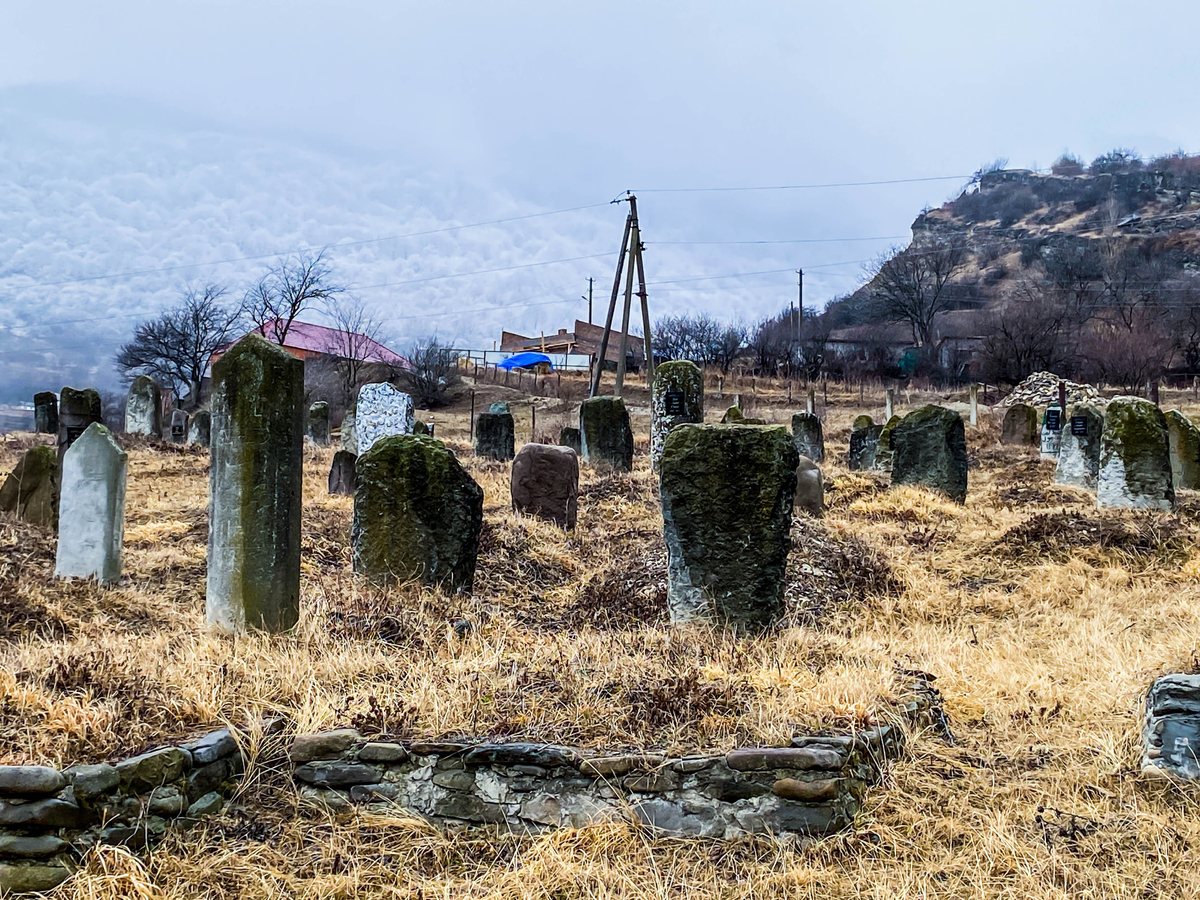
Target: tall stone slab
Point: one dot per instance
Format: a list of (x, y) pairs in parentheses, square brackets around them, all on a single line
[(929, 448), (1052, 428), (883, 450), (545, 483), (809, 436), (417, 514), (349, 432), (1079, 453), (76, 411), (255, 481), (318, 423), (143, 407), (179, 426), (1020, 427), (570, 437), (678, 400), (200, 428), (1184, 443), (864, 444), (381, 410), (605, 434), (341, 474), (495, 435), (727, 493), (1171, 728), (1135, 457), (45, 412), (30, 491), (810, 488), (91, 517)]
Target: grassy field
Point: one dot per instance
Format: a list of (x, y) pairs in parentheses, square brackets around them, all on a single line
[(1043, 620)]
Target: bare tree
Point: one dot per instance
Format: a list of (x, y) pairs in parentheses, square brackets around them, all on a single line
[(1031, 333), (287, 289), (353, 341), (177, 346), (433, 372), (911, 285)]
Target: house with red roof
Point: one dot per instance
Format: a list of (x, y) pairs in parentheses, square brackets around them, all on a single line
[(308, 341)]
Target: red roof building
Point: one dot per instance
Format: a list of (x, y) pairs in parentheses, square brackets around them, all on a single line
[(305, 340)]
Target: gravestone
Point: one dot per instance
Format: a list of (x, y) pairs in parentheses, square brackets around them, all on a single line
[(1171, 728), (1020, 428), (143, 407), (91, 518), (929, 448), (349, 432), (76, 411), (810, 488), (883, 448), (179, 427), (420, 427), (678, 399), (341, 474), (864, 443), (545, 483), (255, 488), (417, 514), (318, 423), (381, 411), (604, 433), (495, 435), (45, 412), (1135, 457), (1052, 429), (1079, 453), (1183, 440), (733, 416), (499, 408), (30, 492), (727, 493), (570, 437), (200, 428), (809, 436), (861, 422)]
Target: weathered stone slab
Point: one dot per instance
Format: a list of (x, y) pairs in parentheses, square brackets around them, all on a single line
[(1079, 452), (755, 758), (883, 450), (861, 422), (809, 436), (1171, 729), (678, 400), (45, 412), (1052, 430), (338, 774), (1020, 426), (318, 423), (1135, 457), (323, 745), (810, 488), (417, 514), (864, 443), (545, 483), (31, 781), (605, 434), (255, 488), (521, 754), (30, 847), (382, 410), (382, 751), (349, 432), (495, 435), (341, 473), (42, 814), (200, 428), (91, 524), (929, 448), (819, 791), (570, 437), (76, 411), (143, 407), (727, 494), (29, 878), (154, 768), (1183, 440), (179, 426), (211, 747), (90, 780), (30, 491)]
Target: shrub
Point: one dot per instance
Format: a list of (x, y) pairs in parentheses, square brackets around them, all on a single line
[(1116, 161), (1067, 164)]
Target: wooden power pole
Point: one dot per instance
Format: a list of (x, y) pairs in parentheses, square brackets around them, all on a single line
[(630, 258)]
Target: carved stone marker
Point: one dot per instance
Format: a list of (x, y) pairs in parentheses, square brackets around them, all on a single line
[(1135, 458), (417, 514), (255, 488), (76, 411), (883, 449), (1171, 729), (545, 483), (929, 448), (570, 437), (809, 436), (45, 412), (810, 488), (179, 427), (341, 474), (861, 422), (91, 521), (495, 435), (200, 428), (727, 494), (1052, 429), (349, 432), (678, 399), (318, 423), (30, 492), (1184, 444), (143, 407), (381, 410), (864, 443), (605, 435), (1079, 453), (1020, 428)]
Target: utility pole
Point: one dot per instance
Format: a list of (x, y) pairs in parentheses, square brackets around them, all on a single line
[(589, 299), (629, 258)]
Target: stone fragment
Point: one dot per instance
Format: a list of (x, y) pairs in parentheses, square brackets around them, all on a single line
[(678, 400), (420, 427), (454, 780), (819, 791), (495, 435), (1079, 451), (499, 408), (605, 434), (381, 411), (255, 488), (734, 416), (207, 777), (167, 800), (883, 451), (1184, 443), (324, 745), (519, 753), (727, 493), (211, 747), (417, 514), (469, 808), (794, 818), (29, 878), (374, 793), (606, 766), (208, 805), (90, 780), (809, 436), (349, 432), (143, 407), (1171, 728), (810, 488), (436, 748), (45, 412), (570, 437), (545, 483), (30, 492), (338, 774), (150, 770), (749, 759), (76, 411), (318, 423), (30, 781), (691, 764), (341, 474), (652, 782), (91, 517), (1135, 457), (200, 428), (49, 813), (29, 847), (864, 443), (861, 422), (1052, 430), (671, 816), (1020, 427), (380, 751), (929, 448)]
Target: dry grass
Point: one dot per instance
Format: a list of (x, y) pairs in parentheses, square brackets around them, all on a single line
[(1043, 620)]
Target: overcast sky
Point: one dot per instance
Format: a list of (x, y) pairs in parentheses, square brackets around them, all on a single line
[(145, 135)]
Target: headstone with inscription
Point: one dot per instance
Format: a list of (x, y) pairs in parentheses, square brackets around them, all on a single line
[(179, 427), (809, 436), (1184, 443), (91, 521), (1020, 428), (678, 399), (1079, 453), (381, 410), (76, 411), (143, 407), (1135, 457), (1052, 427), (605, 433)]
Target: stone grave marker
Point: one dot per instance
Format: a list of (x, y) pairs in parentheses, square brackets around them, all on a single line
[(143, 407), (604, 433), (91, 521), (864, 443), (1171, 729), (1020, 427), (495, 435), (45, 412), (545, 483), (76, 411), (341, 473), (30, 492), (727, 493), (570, 437), (810, 488), (255, 488), (1079, 453), (809, 436), (1052, 428), (349, 432), (733, 416), (883, 448), (861, 422), (1184, 443), (1135, 457), (417, 514), (381, 410), (318, 423), (929, 448), (179, 426), (200, 428), (678, 399)]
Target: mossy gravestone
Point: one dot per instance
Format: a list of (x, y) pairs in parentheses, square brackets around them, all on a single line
[(45, 412), (883, 450), (417, 514), (545, 483), (1079, 452), (861, 422), (809, 436), (495, 435), (727, 494), (864, 443), (255, 485), (1020, 428), (1135, 459), (1184, 443), (678, 400), (318, 423), (76, 411), (570, 437), (143, 407), (733, 416), (604, 433), (341, 474), (30, 492), (349, 432), (200, 428), (929, 448), (92, 508)]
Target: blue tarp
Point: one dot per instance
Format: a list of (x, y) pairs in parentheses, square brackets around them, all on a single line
[(525, 361)]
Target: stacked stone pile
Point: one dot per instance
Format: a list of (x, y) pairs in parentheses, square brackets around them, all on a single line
[(1041, 389)]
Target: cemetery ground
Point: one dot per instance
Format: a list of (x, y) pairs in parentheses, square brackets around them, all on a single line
[(1043, 620)]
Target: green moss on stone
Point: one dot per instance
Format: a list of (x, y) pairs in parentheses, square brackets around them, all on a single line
[(605, 434), (495, 435), (30, 492), (1135, 456), (1185, 450), (861, 422), (929, 448), (681, 377)]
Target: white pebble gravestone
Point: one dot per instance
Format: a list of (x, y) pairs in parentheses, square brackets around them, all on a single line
[(91, 520), (381, 411)]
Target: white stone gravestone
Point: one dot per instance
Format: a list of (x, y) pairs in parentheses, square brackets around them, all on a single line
[(381, 411), (91, 520)]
